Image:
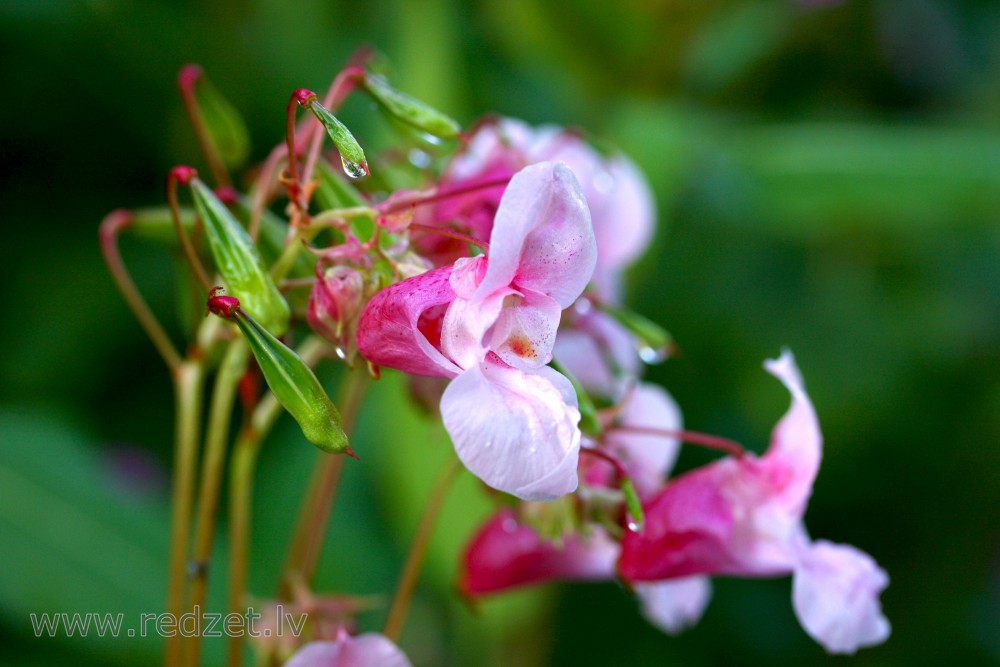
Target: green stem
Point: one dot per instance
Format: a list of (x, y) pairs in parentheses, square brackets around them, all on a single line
[(418, 550), (112, 224), (241, 474), (220, 415), (189, 379), (314, 513)]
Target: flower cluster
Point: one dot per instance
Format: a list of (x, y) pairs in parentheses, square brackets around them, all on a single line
[(560, 232), (500, 279)]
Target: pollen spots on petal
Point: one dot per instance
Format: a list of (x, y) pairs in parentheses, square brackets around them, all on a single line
[(522, 347)]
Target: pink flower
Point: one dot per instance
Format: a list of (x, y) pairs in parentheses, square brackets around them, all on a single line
[(367, 650), (489, 324), (744, 517), (621, 203), (506, 553)]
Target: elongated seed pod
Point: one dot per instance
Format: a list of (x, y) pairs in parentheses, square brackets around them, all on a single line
[(239, 262), (295, 386)]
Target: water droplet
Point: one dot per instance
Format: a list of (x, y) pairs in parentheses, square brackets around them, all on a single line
[(487, 444), (354, 169), (635, 526), (653, 355), (419, 159), (532, 450), (339, 351), (510, 525)]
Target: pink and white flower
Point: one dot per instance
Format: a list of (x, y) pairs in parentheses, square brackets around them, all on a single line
[(744, 517), (489, 324)]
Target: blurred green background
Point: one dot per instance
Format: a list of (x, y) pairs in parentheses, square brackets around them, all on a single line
[(828, 177)]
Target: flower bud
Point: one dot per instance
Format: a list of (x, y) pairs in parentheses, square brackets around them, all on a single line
[(335, 302), (239, 262), (408, 110), (290, 379)]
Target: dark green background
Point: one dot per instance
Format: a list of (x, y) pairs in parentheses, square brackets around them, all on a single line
[(828, 179)]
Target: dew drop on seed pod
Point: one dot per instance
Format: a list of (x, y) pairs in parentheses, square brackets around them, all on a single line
[(354, 169)]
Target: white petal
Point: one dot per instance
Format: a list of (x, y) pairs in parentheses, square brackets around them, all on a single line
[(367, 650), (674, 605), (542, 239), (648, 458), (835, 593), (517, 431)]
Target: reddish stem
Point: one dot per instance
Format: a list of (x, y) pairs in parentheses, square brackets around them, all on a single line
[(451, 233), (731, 447), (187, 78), (620, 472), (109, 230), (184, 175), (419, 200)]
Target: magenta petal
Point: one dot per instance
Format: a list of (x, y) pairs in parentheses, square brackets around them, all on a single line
[(675, 604), (796, 442), (542, 237), (517, 431), (388, 329), (506, 553), (688, 529), (836, 597), (367, 650)]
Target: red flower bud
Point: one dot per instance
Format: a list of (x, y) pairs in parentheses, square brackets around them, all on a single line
[(220, 304), (335, 302)]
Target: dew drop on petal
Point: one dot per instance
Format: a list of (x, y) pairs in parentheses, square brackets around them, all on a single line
[(354, 169), (510, 525)]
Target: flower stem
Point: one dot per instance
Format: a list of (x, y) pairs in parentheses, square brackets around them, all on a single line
[(418, 550), (241, 473), (396, 206), (189, 250), (189, 379), (186, 80), (317, 505), (112, 224), (731, 447), (226, 383)]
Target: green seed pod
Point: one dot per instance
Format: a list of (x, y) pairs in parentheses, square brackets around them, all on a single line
[(410, 111), (295, 386), (223, 123), (238, 261), (352, 157)]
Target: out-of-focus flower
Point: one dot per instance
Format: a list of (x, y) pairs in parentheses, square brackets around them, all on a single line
[(744, 517), (367, 650), (489, 324)]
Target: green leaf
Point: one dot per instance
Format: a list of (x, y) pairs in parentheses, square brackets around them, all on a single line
[(72, 540)]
